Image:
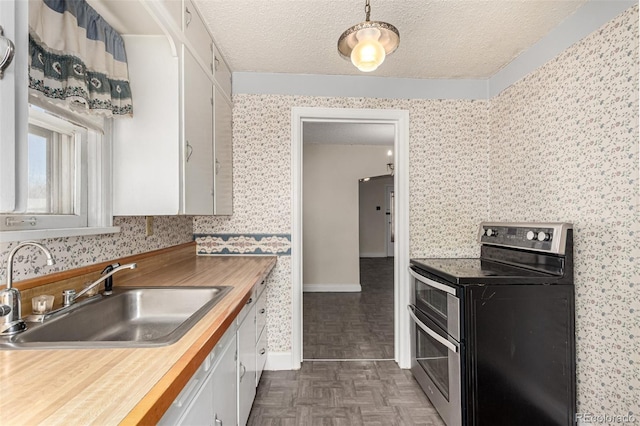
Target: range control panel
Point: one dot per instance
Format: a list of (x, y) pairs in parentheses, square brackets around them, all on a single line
[(544, 237)]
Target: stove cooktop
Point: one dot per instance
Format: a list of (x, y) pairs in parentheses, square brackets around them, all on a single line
[(480, 271)]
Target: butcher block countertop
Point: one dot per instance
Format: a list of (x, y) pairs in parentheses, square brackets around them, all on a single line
[(126, 386)]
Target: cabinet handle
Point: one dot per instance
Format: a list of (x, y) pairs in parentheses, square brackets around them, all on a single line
[(218, 422), (217, 167), (7, 56), (188, 17), (263, 351), (263, 310), (216, 62), (189, 151), (250, 301), (243, 370)]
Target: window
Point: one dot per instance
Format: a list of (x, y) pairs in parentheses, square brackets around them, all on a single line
[(55, 164), (62, 184), (51, 190)]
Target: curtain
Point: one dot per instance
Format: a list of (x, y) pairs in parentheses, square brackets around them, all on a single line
[(76, 59)]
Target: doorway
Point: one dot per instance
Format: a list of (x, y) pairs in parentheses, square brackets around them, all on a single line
[(400, 120)]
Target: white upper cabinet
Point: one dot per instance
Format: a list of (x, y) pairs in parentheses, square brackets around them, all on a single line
[(222, 73), (175, 155), (197, 35), (147, 151), (223, 158), (198, 138)]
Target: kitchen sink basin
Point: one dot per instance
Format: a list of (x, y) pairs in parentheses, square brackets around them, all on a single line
[(130, 317)]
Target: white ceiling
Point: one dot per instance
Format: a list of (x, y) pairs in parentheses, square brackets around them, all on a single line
[(438, 38), (349, 133)]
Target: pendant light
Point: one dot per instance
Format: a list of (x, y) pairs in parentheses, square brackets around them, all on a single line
[(369, 42)]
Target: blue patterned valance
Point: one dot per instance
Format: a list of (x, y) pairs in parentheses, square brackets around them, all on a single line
[(77, 59)]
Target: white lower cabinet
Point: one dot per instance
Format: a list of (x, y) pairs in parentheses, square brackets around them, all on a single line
[(209, 398), (246, 364), (222, 390), (225, 387)]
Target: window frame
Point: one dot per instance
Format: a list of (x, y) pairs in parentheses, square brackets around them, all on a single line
[(78, 219), (14, 118)]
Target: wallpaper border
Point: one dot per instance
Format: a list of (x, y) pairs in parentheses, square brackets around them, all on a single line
[(234, 244)]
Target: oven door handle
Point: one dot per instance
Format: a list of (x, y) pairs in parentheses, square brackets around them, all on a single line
[(452, 347), (432, 283)]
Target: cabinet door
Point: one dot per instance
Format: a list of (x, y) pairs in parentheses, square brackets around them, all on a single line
[(197, 34), (223, 157), (225, 387), (222, 74), (198, 138), (146, 147), (246, 366), (200, 411)]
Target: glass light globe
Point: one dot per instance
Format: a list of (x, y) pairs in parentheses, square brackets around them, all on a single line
[(368, 54)]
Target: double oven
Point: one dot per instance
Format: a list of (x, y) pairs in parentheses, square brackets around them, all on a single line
[(493, 337), (436, 345)]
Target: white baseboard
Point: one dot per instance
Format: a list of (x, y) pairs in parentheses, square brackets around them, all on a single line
[(378, 254), (332, 288), (278, 361)]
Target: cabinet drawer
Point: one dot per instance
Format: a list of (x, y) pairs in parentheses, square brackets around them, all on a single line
[(251, 302), (261, 316), (196, 33), (222, 73), (261, 356), (180, 405), (219, 349)]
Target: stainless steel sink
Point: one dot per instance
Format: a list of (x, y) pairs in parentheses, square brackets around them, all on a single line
[(130, 317)]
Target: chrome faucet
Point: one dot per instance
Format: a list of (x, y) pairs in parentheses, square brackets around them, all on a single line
[(10, 304), (69, 296)]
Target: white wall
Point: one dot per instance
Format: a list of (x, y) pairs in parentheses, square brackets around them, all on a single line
[(373, 223), (330, 205)]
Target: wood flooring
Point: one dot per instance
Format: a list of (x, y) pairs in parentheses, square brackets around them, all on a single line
[(339, 384)]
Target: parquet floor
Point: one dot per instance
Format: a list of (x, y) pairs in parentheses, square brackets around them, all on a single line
[(354, 327), (338, 393)]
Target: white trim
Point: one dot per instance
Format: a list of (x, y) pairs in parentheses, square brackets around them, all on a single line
[(377, 254), (279, 361), (40, 234), (331, 288), (400, 120)]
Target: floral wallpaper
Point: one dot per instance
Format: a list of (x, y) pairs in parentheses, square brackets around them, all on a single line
[(564, 147), (447, 182), (74, 252)]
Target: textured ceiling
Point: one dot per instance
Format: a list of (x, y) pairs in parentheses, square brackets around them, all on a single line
[(438, 38)]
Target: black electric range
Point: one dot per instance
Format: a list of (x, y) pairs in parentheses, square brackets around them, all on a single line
[(494, 336)]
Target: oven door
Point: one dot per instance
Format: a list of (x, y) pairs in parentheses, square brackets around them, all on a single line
[(438, 301), (436, 365)]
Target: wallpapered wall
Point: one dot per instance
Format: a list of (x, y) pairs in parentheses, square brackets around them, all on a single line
[(564, 147), (561, 144), (74, 252), (447, 181)]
